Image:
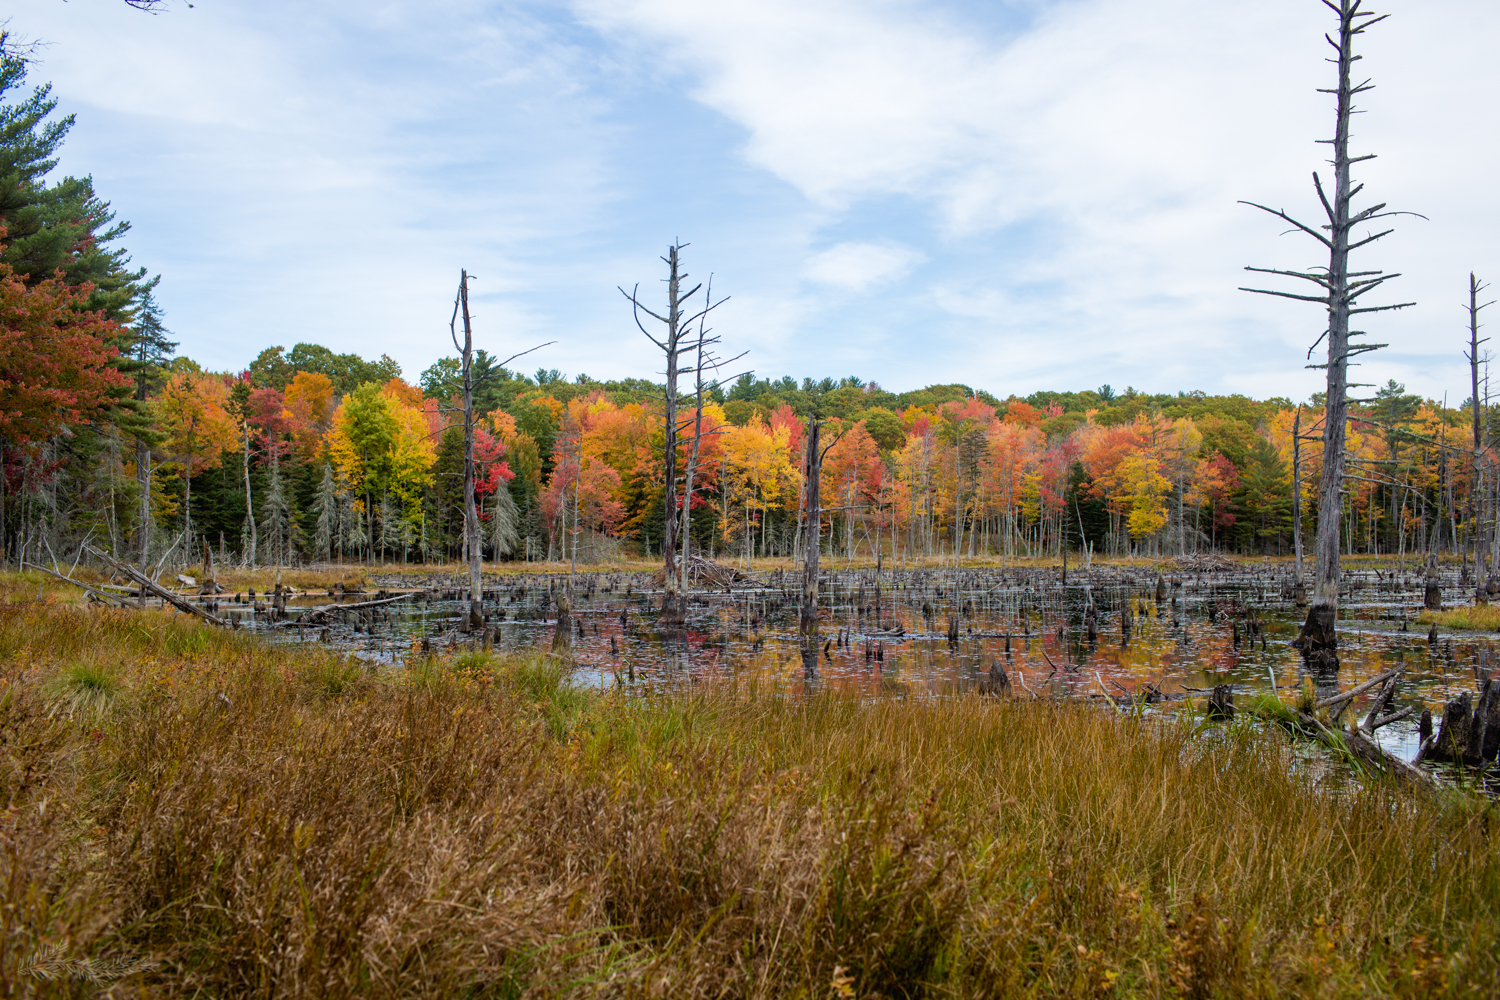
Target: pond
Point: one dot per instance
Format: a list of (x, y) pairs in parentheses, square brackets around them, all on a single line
[(891, 630)]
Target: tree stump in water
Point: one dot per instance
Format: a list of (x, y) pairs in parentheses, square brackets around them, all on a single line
[(998, 682), (1484, 728), (1453, 731), (1221, 702), (1161, 593), (1432, 594), (1318, 641), (562, 636)]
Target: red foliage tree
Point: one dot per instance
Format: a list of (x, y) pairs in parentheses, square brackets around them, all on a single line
[(56, 366)]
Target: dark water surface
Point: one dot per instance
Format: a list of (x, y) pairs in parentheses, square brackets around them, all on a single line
[(1027, 621)]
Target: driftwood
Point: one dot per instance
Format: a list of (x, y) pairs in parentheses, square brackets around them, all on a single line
[(1358, 740), (318, 616), (140, 579), (1358, 690), (101, 595), (701, 570)]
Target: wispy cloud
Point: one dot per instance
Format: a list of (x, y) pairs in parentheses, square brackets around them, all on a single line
[(1023, 194), (857, 266)]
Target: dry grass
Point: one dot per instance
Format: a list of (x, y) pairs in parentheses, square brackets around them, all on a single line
[(235, 820), (1478, 617)]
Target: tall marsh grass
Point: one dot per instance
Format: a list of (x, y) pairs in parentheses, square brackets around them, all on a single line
[(276, 822)]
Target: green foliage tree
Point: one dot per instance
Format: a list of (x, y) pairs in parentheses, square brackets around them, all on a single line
[(274, 367), (63, 226)]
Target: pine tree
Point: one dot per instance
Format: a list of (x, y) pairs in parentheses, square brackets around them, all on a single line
[(351, 519), (327, 531), (504, 522), (62, 225), (388, 530), (276, 518)]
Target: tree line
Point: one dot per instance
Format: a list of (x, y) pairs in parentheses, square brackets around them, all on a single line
[(307, 455)]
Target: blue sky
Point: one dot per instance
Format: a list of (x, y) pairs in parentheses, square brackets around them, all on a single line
[(1017, 195)]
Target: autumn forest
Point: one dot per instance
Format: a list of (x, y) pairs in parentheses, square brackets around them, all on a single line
[(324, 674)]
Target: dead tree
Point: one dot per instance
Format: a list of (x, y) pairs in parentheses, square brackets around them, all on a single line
[(812, 515), (673, 344), (1481, 595), (1341, 290), (705, 362), (466, 383), (1299, 589)]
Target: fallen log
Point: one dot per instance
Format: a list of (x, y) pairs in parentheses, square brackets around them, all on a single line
[(101, 595), (1357, 690), (140, 578), (310, 616)]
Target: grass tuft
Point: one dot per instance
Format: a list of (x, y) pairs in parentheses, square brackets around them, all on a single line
[(85, 690), (1477, 617)]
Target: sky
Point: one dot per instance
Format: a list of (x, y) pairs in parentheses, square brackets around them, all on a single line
[(1012, 194)]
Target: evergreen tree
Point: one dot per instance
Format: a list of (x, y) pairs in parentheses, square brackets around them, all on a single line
[(389, 531), (352, 520), (505, 522), (276, 518), (327, 505), (62, 226)]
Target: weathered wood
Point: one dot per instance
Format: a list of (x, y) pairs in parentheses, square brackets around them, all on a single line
[(562, 634), (1221, 702), (1337, 292), (312, 616), (1370, 752), (1381, 701), (1358, 689), (145, 583), (1480, 737), (101, 595), (1453, 731)]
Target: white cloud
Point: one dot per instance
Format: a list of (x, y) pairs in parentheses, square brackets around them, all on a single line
[(1065, 170), (856, 266), (1096, 152)]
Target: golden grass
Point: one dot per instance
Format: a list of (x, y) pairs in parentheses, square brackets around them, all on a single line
[(1478, 617), (241, 820)]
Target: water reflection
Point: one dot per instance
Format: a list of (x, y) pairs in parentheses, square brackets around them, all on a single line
[(938, 632)]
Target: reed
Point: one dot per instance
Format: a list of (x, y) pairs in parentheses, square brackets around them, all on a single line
[(1476, 617), (244, 820)]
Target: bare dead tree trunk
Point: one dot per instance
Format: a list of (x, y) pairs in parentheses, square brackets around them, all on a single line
[(812, 468), (673, 345), (143, 476), (1475, 535), (1340, 290), (248, 554), (1299, 589), (471, 513), (704, 362), (466, 385)]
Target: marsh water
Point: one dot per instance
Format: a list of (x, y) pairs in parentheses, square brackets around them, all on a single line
[(892, 630)]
